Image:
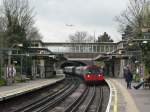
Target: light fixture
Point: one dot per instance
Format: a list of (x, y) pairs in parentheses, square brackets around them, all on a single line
[(144, 42)]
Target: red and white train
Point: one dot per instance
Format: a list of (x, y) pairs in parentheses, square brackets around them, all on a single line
[(90, 74)]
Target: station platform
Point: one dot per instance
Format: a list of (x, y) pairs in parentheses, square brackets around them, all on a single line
[(128, 100), (16, 89)]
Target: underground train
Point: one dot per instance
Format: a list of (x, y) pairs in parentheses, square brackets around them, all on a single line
[(90, 74)]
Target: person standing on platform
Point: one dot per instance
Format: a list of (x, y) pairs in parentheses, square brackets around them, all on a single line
[(10, 73), (128, 77)]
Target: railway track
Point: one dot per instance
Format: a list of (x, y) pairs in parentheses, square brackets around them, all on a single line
[(75, 97), (50, 100), (96, 104), (90, 100)]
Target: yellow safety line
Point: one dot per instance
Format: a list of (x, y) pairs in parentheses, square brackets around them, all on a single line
[(115, 106), (115, 102), (130, 103)]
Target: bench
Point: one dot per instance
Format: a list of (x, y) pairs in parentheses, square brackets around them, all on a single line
[(147, 83), (24, 78)]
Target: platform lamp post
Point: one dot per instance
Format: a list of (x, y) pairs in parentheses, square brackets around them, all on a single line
[(143, 44), (10, 52), (21, 64), (21, 60)]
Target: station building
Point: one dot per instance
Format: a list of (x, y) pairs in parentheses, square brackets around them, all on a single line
[(114, 56)]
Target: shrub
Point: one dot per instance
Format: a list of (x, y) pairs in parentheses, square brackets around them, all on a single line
[(136, 77), (18, 79), (2, 82), (21, 78)]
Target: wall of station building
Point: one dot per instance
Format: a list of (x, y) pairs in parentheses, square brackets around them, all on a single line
[(116, 68)]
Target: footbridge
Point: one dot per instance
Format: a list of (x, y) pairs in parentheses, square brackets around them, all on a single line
[(115, 55), (81, 51)]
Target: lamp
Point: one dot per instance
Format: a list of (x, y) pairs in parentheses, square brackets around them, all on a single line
[(10, 52), (144, 42)]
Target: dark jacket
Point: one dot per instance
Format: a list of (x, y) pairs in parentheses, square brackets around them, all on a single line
[(128, 75)]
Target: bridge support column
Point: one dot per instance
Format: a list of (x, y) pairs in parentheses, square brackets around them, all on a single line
[(122, 64), (118, 67), (34, 69)]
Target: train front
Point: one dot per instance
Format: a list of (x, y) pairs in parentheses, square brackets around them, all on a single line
[(93, 75)]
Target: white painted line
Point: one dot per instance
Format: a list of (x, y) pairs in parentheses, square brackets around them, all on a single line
[(110, 96), (113, 95), (18, 91), (130, 102)]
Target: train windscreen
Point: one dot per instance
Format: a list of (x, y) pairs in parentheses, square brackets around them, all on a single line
[(92, 71)]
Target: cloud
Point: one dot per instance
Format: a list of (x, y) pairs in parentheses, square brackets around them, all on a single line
[(86, 15), (89, 15)]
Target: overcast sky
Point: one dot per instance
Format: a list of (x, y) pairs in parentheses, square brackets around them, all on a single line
[(85, 15)]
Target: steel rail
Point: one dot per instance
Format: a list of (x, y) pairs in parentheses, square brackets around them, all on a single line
[(41, 101), (58, 99), (99, 108), (79, 101), (72, 107), (91, 99)]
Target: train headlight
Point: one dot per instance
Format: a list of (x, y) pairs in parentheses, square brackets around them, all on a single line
[(88, 76), (99, 75)]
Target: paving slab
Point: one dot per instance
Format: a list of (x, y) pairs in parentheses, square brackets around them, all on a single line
[(134, 100), (116, 102), (17, 89)]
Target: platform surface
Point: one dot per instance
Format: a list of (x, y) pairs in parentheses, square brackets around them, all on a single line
[(131, 100), (16, 89)]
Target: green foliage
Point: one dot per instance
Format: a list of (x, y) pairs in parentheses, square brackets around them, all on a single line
[(100, 63), (2, 82), (104, 38), (146, 72), (0, 71), (137, 15), (146, 54), (136, 77), (17, 19), (19, 78), (134, 47), (127, 33)]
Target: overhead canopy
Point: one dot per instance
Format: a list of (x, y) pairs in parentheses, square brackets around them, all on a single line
[(112, 57)]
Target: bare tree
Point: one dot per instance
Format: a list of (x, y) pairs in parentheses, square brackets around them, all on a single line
[(137, 15), (2, 33), (34, 34), (80, 37), (17, 20)]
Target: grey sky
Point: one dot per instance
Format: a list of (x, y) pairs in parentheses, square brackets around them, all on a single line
[(86, 15)]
